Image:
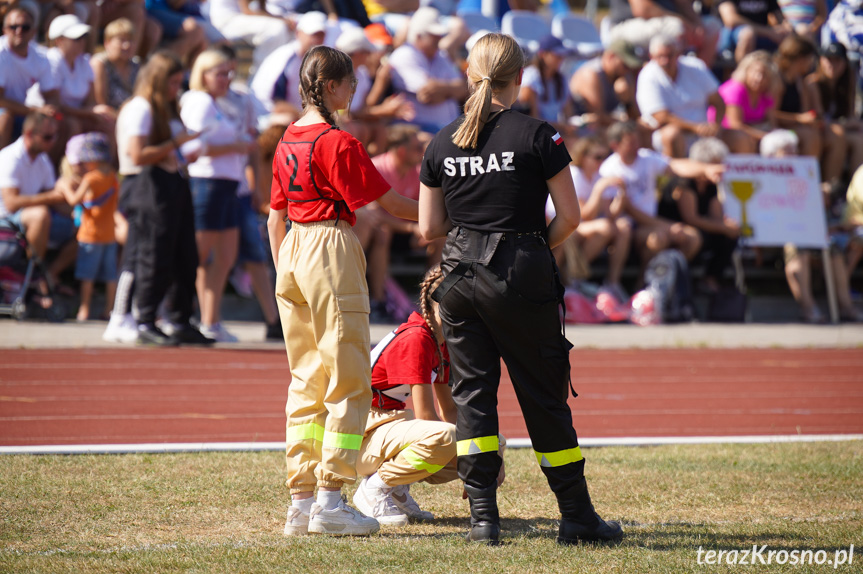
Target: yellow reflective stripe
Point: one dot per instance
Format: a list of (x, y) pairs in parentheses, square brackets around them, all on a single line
[(477, 445), (418, 463), (559, 458), (305, 431), (342, 440)]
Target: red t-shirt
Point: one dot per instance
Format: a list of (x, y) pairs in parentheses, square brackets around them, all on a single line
[(340, 168), (409, 359)]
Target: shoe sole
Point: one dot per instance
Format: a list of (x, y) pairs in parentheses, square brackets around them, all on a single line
[(338, 529), (297, 530)]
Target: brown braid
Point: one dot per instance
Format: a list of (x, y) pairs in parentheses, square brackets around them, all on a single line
[(432, 279), (320, 65)]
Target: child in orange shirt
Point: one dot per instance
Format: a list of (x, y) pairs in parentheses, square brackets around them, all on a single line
[(97, 251)]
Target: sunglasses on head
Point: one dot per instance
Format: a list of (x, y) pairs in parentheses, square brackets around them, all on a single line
[(22, 27)]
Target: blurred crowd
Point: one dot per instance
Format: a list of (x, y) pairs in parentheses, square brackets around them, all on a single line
[(87, 91)]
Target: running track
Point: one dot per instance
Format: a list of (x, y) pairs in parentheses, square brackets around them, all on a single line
[(133, 396)]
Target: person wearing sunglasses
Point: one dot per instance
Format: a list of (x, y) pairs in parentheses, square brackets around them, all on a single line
[(27, 185), (22, 66)]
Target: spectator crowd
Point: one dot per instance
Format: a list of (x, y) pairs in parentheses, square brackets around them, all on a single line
[(99, 96)]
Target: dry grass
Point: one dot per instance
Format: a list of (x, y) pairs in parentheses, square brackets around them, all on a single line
[(224, 512)]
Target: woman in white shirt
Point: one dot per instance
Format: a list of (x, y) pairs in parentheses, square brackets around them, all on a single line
[(222, 154)]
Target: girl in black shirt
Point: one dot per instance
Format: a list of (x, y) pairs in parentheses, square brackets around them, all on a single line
[(484, 183)]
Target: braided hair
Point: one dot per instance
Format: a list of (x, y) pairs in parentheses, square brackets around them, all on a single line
[(320, 65), (432, 279)]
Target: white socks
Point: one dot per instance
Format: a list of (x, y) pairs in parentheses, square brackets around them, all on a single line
[(374, 481), (304, 504), (329, 499)]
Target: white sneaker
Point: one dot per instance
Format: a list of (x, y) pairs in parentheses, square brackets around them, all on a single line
[(168, 327), (343, 520), (218, 333), (297, 523), (121, 329), (403, 500), (379, 504)]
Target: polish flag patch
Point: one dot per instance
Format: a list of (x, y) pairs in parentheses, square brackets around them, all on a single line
[(557, 139)]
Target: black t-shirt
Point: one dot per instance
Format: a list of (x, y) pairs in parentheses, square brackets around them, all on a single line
[(500, 185), (755, 10), (668, 207)]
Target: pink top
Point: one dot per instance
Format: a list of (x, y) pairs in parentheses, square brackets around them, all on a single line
[(734, 94), (407, 185)]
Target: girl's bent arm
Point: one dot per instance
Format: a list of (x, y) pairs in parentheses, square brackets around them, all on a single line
[(423, 402), (277, 232), (398, 205), (567, 211), (433, 218)]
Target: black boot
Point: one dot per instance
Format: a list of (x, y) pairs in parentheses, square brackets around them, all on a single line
[(484, 517), (580, 522)]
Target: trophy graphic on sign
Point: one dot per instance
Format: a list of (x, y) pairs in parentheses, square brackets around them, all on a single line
[(743, 191)]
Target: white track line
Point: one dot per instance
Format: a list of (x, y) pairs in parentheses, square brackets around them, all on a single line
[(512, 443)]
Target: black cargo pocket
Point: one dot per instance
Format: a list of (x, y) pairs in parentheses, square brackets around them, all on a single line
[(555, 355), (531, 274), (354, 318)]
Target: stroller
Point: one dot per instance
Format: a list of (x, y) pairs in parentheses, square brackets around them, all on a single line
[(20, 272)]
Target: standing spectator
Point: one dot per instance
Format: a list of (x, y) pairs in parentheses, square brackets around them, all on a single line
[(22, 64), (115, 69), (425, 74), (27, 181), (673, 94), (70, 68), (275, 83), (606, 83), (187, 30), (834, 91), (639, 170), (161, 242), (97, 246), (238, 20), (319, 186), (748, 96), (695, 202), (602, 228), (147, 32), (544, 91), (222, 154), (500, 294), (239, 106), (751, 25)]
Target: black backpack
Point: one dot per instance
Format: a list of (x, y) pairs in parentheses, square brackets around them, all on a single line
[(667, 277)]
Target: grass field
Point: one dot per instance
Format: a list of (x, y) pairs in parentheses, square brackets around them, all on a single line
[(225, 512)]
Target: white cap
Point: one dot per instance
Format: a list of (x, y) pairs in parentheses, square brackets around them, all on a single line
[(67, 26), (426, 20), (353, 40), (312, 23)]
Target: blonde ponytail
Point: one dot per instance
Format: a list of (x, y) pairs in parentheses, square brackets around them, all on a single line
[(494, 62)]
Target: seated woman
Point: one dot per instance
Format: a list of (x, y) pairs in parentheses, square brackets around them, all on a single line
[(600, 229), (833, 95), (749, 103), (696, 201), (544, 91)]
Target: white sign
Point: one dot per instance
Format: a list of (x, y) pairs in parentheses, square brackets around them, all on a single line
[(775, 200)]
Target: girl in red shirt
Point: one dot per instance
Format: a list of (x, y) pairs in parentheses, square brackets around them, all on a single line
[(321, 176)]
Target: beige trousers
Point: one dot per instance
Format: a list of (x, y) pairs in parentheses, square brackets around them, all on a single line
[(404, 450), (323, 302)]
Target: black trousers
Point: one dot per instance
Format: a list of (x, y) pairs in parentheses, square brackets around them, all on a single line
[(166, 254), (505, 306), (716, 251)]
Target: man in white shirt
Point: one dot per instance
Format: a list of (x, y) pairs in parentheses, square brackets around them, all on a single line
[(426, 75), (673, 93), (639, 170), (276, 83), (22, 64), (27, 182)]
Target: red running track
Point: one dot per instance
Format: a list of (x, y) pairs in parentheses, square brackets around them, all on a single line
[(127, 396)]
